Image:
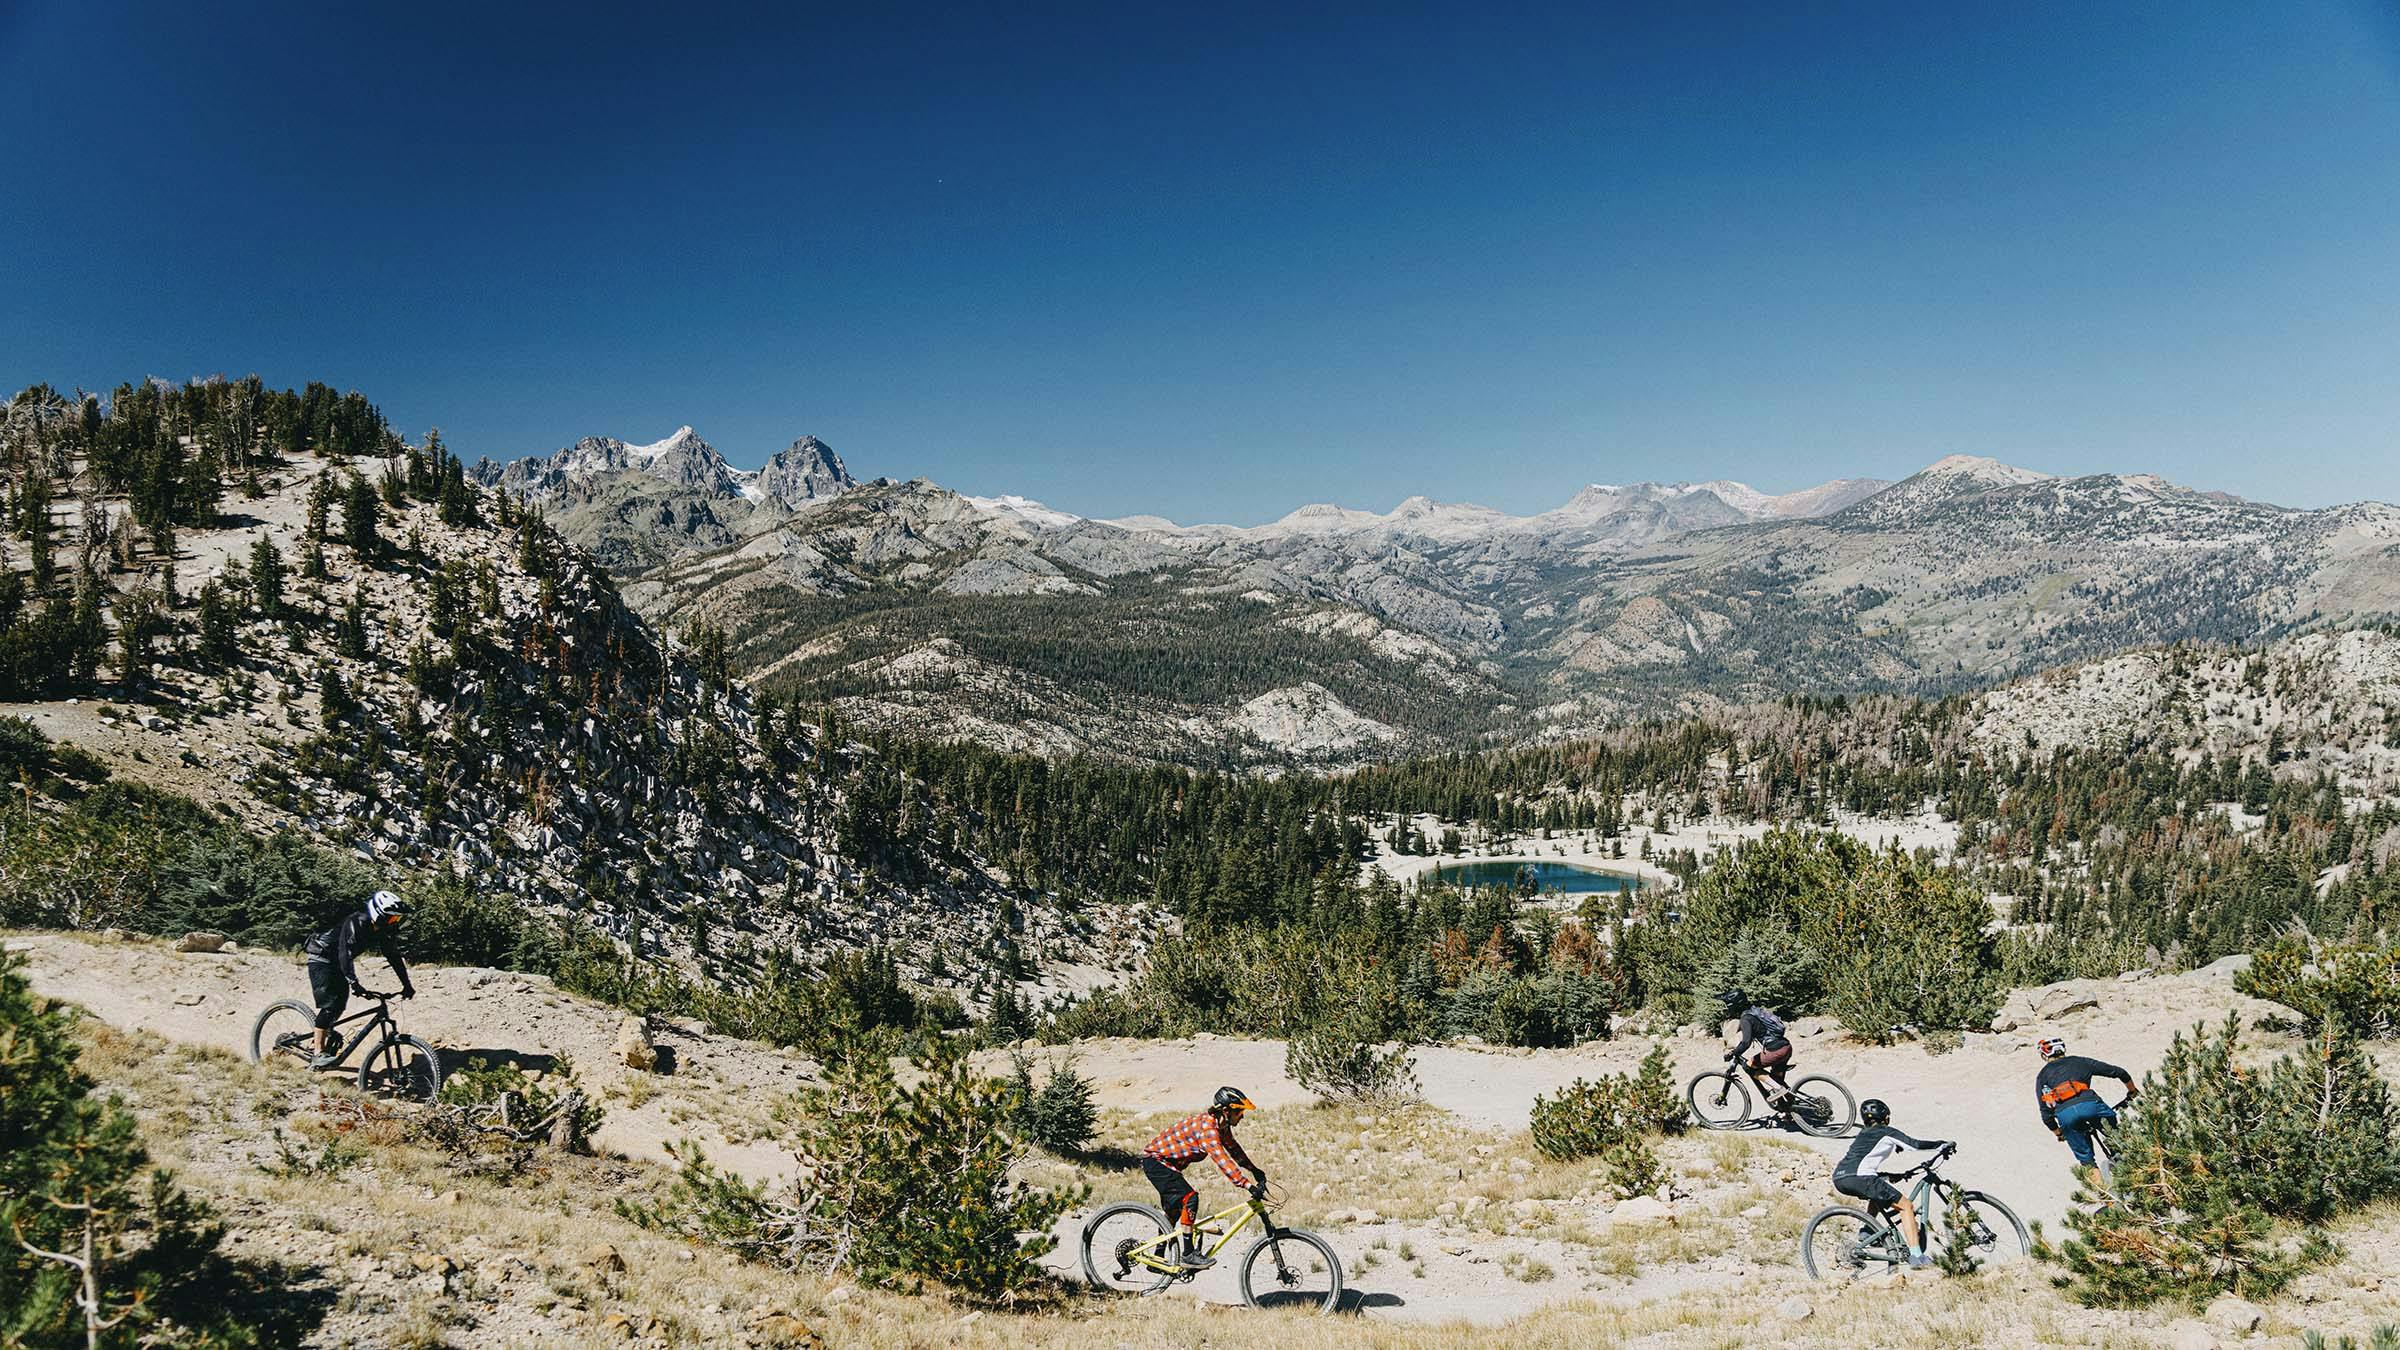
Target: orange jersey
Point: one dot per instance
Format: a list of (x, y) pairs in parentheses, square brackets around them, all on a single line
[(1187, 1141)]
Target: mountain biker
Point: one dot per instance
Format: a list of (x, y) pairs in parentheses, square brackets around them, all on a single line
[(1760, 1027), (333, 960), (2063, 1089), (1187, 1141), (1860, 1172)]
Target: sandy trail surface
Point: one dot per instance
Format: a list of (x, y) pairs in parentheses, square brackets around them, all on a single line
[(721, 1087)]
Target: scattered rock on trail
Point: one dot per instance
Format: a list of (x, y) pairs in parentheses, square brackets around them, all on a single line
[(202, 940), (2190, 1335), (1795, 1309), (2057, 1003), (188, 1000), (2233, 1313), (1643, 1209), (602, 1257), (635, 1047)]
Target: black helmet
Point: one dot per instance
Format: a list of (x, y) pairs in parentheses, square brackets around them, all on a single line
[(1232, 1099), (1733, 1001), (1874, 1111)]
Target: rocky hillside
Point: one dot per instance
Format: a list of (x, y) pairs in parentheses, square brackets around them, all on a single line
[(916, 609), (369, 653), (2325, 703)]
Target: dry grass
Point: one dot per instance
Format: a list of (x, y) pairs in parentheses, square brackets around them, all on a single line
[(520, 1278)]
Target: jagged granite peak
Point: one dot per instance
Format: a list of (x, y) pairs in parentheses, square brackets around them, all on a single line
[(805, 471), (682, 459)]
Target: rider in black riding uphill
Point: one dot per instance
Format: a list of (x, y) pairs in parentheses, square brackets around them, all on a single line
[(1860, 1172), (1760, 1027), (332, 965)]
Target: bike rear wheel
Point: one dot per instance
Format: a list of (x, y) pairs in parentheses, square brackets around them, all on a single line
[(1291, 1268), (402, 1067), (1842, 1244), (1719, 1100), (1821, 1106), (1994, 1234), (1109, 1240), (286, 1030)]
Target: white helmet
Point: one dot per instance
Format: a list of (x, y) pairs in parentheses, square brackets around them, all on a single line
[(383, 906)]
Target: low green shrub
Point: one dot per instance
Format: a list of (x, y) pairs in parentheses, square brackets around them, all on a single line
[(899, 1184), (1612, 1119), (1342, 1059), (2223, 1173), (2356, 985)]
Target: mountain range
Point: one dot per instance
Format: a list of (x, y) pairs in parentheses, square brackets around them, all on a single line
[(1334, 634)]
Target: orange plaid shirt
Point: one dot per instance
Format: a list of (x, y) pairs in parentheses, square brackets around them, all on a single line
[(1187, 1141)]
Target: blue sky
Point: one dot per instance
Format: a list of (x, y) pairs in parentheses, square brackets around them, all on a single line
[(1221, 261)]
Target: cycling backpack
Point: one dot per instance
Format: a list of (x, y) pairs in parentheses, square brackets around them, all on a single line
[(1772, 1023)]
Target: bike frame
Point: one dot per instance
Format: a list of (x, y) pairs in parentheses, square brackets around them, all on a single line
[(1149, 1253), (380, 1013), (1929, 1182)]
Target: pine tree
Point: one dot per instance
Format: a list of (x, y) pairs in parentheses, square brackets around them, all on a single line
[(141, 617), (220, 624), (350, 637), (361, 519), (104, 1250), (266, 577)]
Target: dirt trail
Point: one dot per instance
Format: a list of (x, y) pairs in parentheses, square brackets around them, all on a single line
[(722, 1087), (465, 1012), (1980, 1094)]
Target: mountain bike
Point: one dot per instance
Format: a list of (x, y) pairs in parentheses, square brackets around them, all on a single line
[(396, 1065), (1818, 1103), (1847, 1243), (1129, 1248)]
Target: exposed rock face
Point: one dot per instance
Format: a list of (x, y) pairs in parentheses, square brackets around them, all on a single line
[(805, 471), (638, 506), (1307, 720)]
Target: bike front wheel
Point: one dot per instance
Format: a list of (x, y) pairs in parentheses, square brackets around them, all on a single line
[(1993, 1230), (286, 1030), (402, 1067), (1111, 1240), (1821, 1106), (1843, 1244), (1719, 1101), (1291, 1268)]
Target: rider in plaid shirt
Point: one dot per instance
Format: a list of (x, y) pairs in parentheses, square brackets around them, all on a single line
[(1187, 1141)]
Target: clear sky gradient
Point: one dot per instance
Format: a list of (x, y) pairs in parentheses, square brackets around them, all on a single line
[(1217, 261)]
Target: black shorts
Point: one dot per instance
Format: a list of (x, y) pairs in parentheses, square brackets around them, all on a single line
[(332, 994), (1874, 1190), (1175, 1195)]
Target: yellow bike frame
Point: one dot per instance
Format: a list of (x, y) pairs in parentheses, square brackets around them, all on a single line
[(1151, 1253)]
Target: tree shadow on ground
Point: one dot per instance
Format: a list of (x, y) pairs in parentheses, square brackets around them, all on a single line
[(1108, 1157), (282, 1305)]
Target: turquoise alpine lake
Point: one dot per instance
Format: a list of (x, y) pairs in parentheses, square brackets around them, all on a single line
[(1563, 878)]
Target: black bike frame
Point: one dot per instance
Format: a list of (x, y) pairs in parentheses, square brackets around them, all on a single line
[(380, 1013)]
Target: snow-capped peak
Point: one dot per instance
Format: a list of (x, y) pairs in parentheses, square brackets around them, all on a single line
[(1025, 511), (1982, 470), (682, 436)]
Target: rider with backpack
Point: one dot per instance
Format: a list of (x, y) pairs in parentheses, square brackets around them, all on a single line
[(1762, 1028)]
